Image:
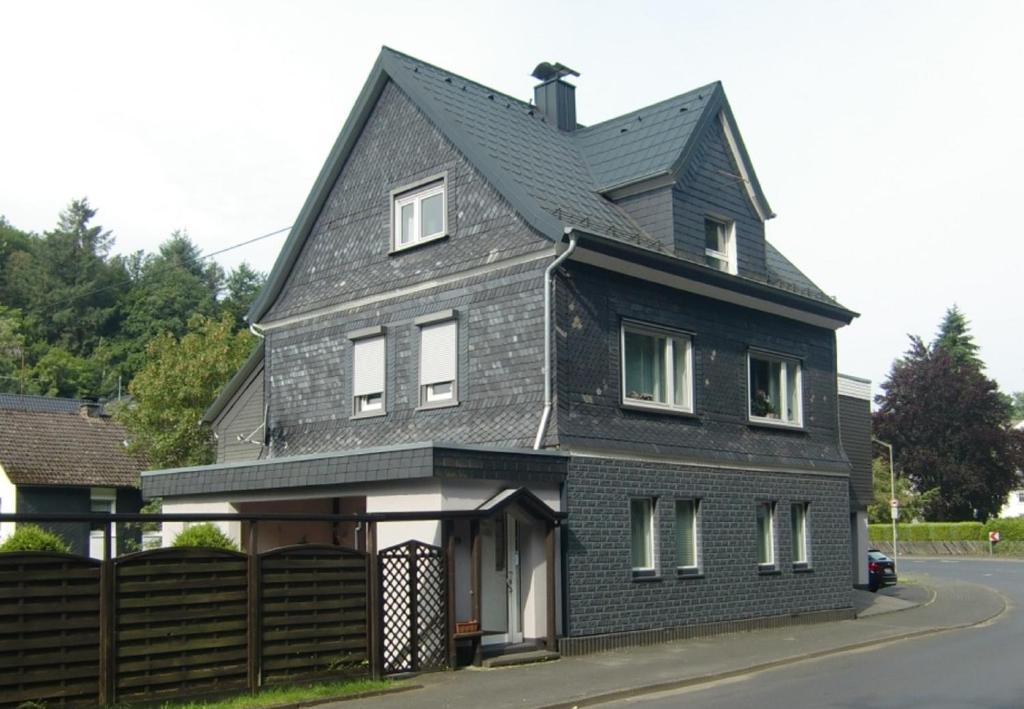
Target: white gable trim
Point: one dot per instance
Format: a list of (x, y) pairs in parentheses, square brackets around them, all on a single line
[(741, 165)]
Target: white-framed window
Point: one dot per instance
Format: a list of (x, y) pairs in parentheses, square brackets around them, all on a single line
[(102, 500), (641, 533), (369, 367), (720, 244), (419, 215), (439, 363), (798, 520), (657, 367), (766, 534), (774, 389), (686, 536)]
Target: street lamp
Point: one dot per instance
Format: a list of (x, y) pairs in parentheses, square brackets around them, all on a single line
[(893, 511)]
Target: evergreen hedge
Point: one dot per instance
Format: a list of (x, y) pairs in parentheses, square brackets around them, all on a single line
[(1009, 530), (206, 535), (31, 537)]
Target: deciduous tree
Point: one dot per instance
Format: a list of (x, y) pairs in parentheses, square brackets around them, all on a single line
[(180, 380), (949, 426)]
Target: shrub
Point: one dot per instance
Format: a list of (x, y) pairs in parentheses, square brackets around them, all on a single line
[(204, 535), (930, 532), (30, 537)]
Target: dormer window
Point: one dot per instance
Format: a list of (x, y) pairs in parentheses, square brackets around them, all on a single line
[(720, 244), (419, 214)]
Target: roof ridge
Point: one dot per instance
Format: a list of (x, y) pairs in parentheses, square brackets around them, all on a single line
[(714, 85), (460, 77)]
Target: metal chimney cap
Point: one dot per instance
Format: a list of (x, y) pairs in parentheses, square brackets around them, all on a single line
[(546, 71)]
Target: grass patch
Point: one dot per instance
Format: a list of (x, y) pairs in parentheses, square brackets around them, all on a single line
[(294, 694)]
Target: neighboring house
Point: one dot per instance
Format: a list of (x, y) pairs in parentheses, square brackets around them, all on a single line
[(1014, 506), (692, 432), (65, 456)]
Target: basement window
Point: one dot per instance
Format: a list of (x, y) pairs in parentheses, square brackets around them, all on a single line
[(419, 215), (720, 245)]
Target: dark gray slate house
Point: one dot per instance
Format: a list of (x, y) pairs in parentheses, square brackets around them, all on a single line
[(65, 456), (482, 295)]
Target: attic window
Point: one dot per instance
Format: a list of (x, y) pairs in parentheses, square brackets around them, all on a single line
[(419, 214), (720, 244)]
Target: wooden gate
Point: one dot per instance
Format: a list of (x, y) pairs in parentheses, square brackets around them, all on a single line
[(313, 615), (181, 623), (49, 629), (414, 627)]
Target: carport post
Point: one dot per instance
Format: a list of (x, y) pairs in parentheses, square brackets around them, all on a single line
[(549, 563), (374, 602)]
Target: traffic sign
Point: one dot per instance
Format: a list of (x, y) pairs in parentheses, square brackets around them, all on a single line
[(894, 502), (993, 537)]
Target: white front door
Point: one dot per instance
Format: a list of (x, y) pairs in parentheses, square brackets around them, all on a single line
[(500, 579), (513, 582)]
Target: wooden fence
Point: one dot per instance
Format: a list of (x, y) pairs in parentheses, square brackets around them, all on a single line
[(178, 622)]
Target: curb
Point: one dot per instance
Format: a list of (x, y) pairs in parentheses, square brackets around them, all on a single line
[(626, 693)]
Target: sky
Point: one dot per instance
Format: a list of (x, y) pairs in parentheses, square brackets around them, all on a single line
[(887, 136)]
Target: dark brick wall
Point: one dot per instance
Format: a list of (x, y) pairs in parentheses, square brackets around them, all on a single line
[(711, 186), (604, 597), (591, 306), (347, 253), (500, 385), (59, 500), (855, 432)]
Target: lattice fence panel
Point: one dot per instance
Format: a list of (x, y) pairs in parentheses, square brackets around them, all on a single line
[(314, 613), (181, 623), (414, 591), (49, 629)]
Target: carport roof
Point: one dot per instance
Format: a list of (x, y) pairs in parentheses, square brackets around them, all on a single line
[(403, 462)]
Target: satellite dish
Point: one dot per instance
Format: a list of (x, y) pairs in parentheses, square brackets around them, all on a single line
[(547, 71)]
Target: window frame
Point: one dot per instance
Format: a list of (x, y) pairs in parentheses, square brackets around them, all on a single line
[(771, 563), (671, 336), (415, 194), (361, 407), (651, 544), (800, 561), (772, 357), (427, 398), (694, 569), (727, 257)]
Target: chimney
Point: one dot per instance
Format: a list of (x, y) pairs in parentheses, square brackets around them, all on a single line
[(90, 408), (554, 98)]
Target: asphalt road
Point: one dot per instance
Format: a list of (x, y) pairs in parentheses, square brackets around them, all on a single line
[(976, 667)]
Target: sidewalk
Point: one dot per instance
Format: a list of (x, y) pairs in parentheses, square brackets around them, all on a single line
[(586, 680)]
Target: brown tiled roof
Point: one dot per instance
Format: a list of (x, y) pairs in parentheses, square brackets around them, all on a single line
[(63, 448)]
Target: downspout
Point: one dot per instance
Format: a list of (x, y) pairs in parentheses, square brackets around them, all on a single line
[(548, 275), (265, 445)]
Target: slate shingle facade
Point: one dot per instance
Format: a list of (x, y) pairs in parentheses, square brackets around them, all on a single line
[(515, 184)]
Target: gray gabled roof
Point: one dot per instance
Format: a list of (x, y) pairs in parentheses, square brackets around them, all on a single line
[(555, 180)]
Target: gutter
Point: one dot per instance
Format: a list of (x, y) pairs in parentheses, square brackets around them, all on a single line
[(548, 275)]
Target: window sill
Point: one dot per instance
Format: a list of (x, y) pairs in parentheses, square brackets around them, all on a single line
[(437, 405), (768, 570), (646, 577), (649, 409), (689, 574), (395, 250), (776, 425), (802, 567), (368, 415)]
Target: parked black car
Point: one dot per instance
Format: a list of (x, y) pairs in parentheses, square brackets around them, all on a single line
[(881, 570)]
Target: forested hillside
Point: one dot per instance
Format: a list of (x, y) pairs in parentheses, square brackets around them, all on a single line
[(76, 320)]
